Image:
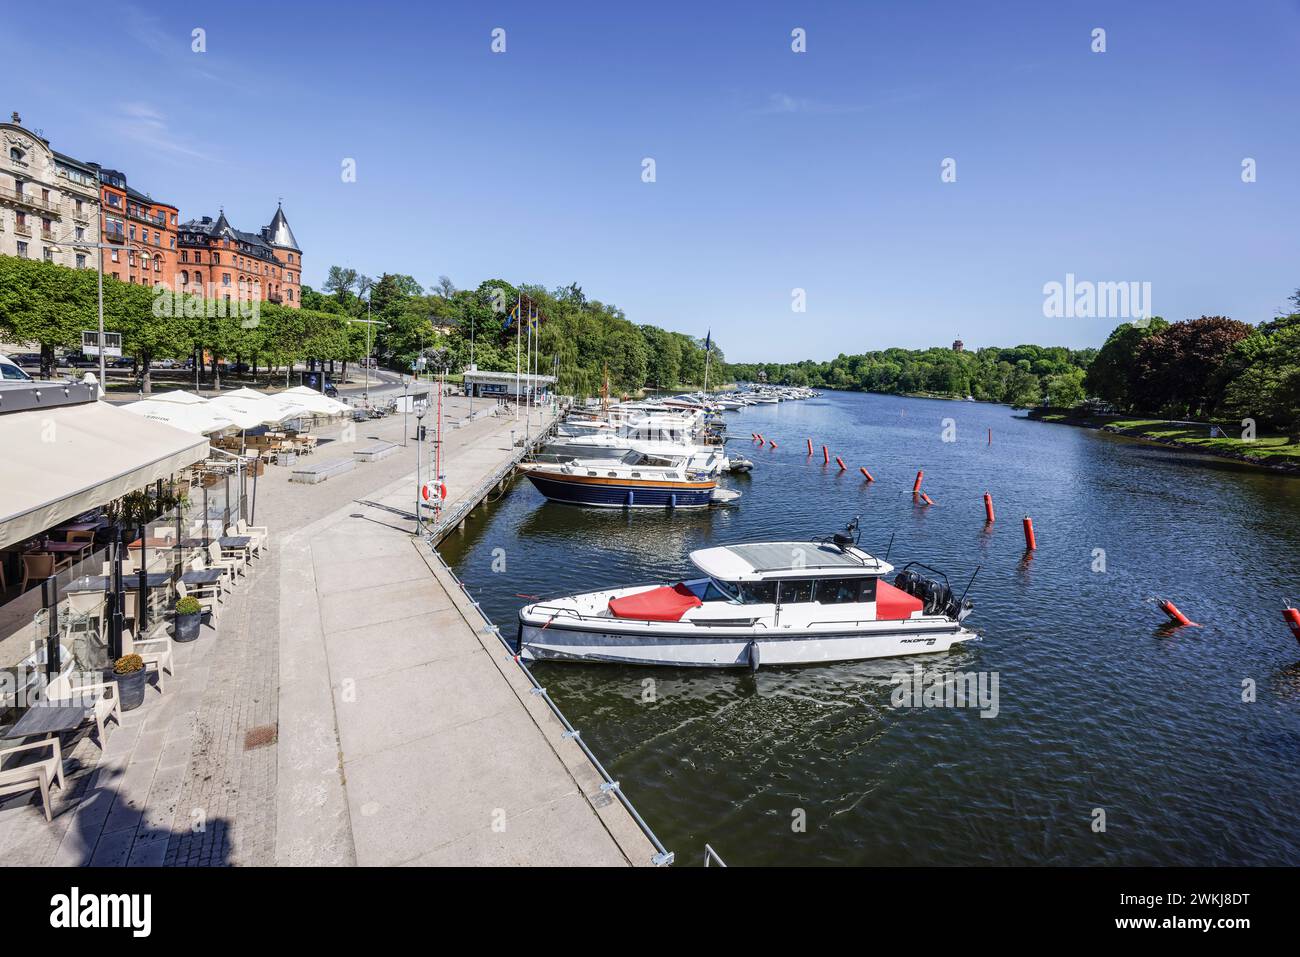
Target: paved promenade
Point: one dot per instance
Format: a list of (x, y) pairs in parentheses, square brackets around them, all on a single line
[(348, 709)]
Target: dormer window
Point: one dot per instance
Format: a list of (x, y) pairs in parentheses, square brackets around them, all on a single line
[(16, 154)]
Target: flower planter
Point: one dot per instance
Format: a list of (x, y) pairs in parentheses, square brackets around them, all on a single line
[(187, 626), (130, 689)]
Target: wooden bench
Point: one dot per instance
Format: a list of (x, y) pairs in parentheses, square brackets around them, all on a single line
[(373, 453), (320, 471)]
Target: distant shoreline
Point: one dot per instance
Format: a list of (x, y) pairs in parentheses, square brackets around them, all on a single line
[(1272, 452)]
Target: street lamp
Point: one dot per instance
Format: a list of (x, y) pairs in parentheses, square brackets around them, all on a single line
[(99, 281)]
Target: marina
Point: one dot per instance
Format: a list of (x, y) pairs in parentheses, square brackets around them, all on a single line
[(1094, 687)]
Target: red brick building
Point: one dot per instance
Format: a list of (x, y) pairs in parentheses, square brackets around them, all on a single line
[(142, 231), (217, 260)]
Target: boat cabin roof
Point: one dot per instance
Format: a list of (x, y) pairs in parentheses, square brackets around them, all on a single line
[(771, 560)]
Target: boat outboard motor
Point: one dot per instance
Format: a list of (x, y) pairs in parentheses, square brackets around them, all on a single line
[(908, 581)]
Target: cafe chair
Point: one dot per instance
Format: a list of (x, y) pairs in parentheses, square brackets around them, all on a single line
[(37, 568), (99, 697), (208, 596), (35, 775), (157, 654)]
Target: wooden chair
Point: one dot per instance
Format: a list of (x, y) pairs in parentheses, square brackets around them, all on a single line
[(208, 597), (99, 696), (80, 537), (215, 559), (156, 653), (37, 568), (36, 775), (260, 534)]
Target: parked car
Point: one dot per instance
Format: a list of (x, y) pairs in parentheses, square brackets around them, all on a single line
[(238, 367), (164, 364), (11, 371), (331, 389), (28, 360), (121, 362), (79, 360)]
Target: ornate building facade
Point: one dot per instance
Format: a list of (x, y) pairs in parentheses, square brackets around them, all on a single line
[(217, 260), (140, 231), (48, 201)]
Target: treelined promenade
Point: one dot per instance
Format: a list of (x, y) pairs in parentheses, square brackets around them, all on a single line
[(350, 707)]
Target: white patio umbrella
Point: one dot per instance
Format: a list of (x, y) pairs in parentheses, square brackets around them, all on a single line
[(314, 401), (250, 409), (183, 410)]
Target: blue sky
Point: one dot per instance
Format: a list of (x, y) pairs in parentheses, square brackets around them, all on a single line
[(775, 170)]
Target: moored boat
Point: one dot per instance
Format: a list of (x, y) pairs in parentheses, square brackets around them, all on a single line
[(606, 484), (768, 602)]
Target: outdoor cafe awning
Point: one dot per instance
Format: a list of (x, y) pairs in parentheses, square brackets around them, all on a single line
[(60, 461)]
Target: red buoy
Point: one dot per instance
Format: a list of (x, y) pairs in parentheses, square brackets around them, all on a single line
[(916, 486), (988, 508), (1176, 616), (810, 446), (1292, 618), (840, 462), (772, 442), (760, 438), (826, 456), (1031, 542), (926, 499), (866, 474)]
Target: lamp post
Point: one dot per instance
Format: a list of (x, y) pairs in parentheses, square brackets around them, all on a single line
[(99, 281), (420, 409), (368, 324)]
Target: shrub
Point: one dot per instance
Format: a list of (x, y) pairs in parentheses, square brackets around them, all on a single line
[(189, 605), (128, 665)]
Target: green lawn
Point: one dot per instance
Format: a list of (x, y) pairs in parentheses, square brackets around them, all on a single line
[(1268, 449)]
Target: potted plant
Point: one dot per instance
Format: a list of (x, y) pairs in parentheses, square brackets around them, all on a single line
[(188, 615), (129, 672)]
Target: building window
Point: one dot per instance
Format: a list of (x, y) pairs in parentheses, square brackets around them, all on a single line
[(198, 256), (289, 294), (15, 154), (157, 240), (81, 260), (113, 255), (78, 207), (225, 279), (132, 230), (81, 233), (22, 250), (49, 255)]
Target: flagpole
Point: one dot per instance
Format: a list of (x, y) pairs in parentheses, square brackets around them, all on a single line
[(528, 364), (518, 318)]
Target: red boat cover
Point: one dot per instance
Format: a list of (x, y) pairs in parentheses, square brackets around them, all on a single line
[(894, 604), (657, 604)]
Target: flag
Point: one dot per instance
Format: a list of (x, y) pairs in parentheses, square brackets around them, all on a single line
[(708, 340), (511, 316), (536, 318)]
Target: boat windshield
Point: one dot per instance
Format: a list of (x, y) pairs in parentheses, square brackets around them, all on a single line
[(720, 589)]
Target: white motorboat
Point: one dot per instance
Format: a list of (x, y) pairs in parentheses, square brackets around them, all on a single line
[(770, 602)]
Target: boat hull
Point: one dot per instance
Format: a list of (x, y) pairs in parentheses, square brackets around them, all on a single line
[(555, 641), (611, 493)]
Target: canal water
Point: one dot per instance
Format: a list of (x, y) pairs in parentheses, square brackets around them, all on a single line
[(1115, 741)]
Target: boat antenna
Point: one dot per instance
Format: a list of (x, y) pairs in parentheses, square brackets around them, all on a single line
[(968, 584), (890, 547), (855, 528)]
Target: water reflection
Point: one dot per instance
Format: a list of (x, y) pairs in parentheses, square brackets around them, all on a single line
[(1101, 705)]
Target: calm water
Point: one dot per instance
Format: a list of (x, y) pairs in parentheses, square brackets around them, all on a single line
[(1099, 708)]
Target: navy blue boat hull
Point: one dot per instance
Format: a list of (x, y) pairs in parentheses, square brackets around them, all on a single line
[(619, 495)]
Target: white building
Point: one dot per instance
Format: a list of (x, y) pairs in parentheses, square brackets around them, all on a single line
[(47, 200), (502, 384)]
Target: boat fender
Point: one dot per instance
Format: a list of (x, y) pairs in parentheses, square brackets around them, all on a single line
[(1292, 617), (753, 654), (1176, 616)]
